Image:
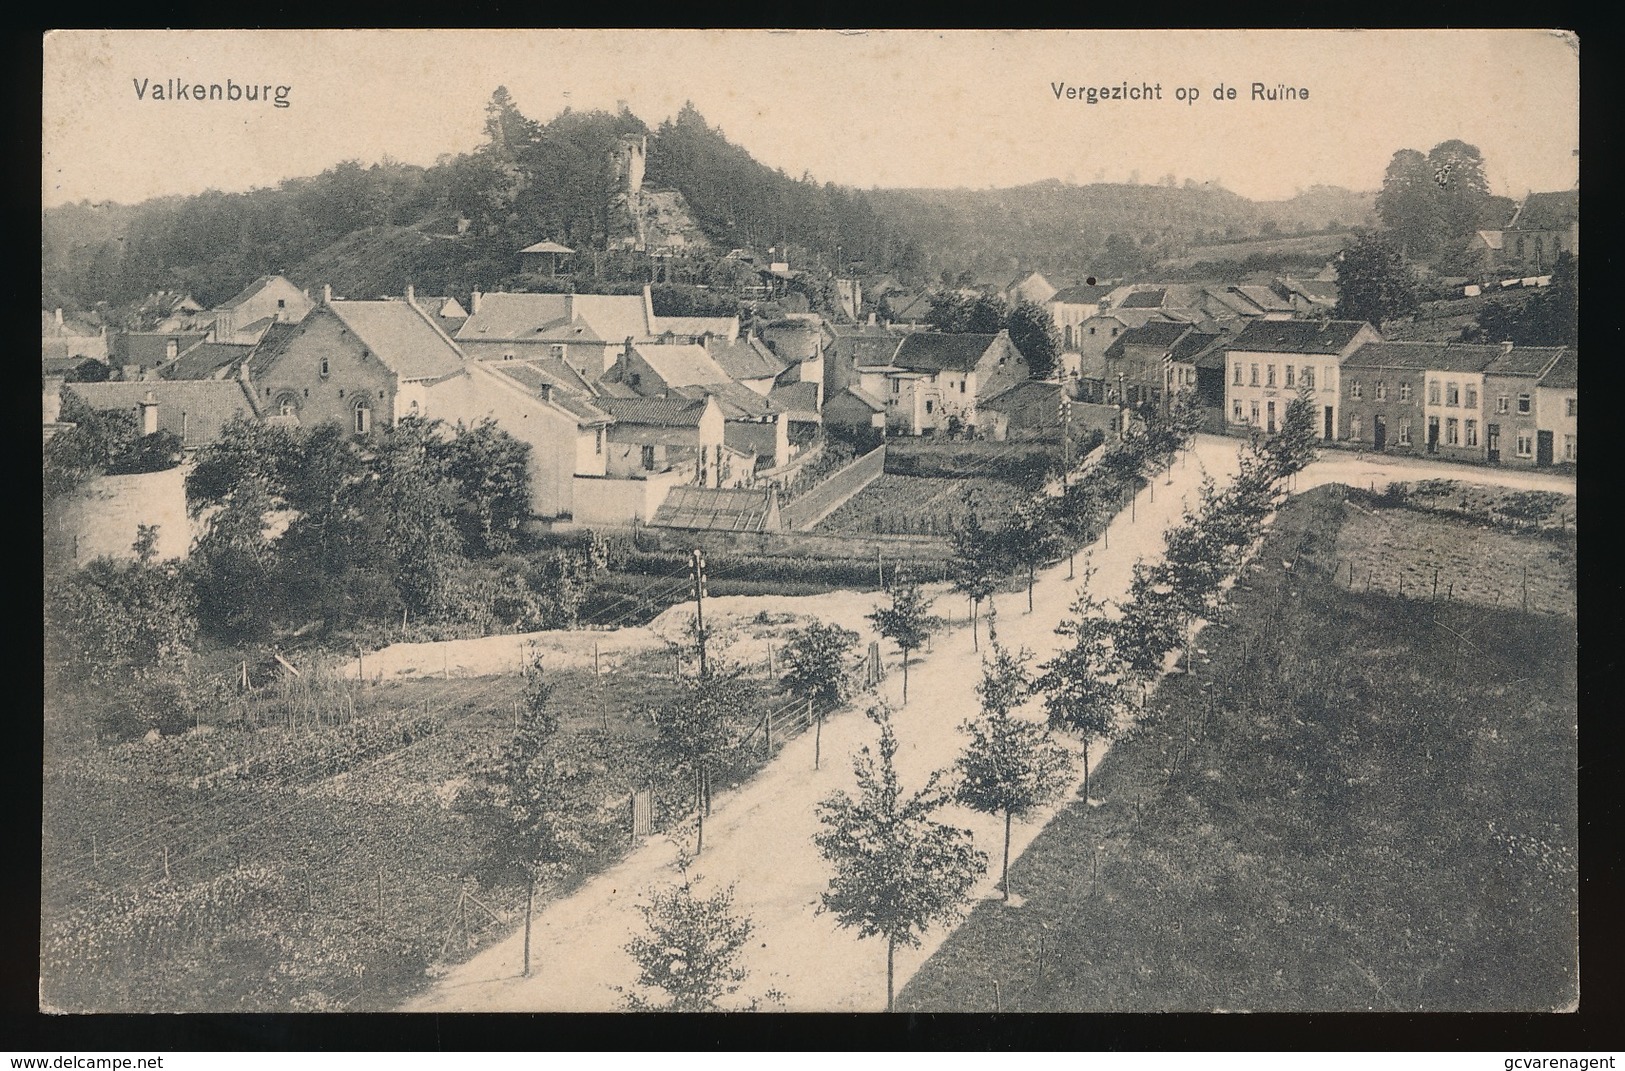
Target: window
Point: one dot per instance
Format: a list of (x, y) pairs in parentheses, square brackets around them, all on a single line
[(1269, 375), (1326, 378), (1571, 406), (307, 392), (1254, 380), (1526, 444), (1356, 390), (286, 406), (1255, 413), (1568, 448), (1382, 391), (183, 424), (1238, 375), (363, 418), (1404, 433), (556, 351), (507, 355), (1501, 405), (1068, 336), (1523, 403), (928, 407), (1114, 332), (324, 366), (1405, 391), (1289, 371), (1309, 377), (281, 303), (1356, 428), (1472, 397), (896, 386), (1091, 330), (962, 386), (1471, 432), (1452, 394), (1433, 392), (1492, 437), (1271, 425), (1452, 432), (649, 458), (1235, 413)]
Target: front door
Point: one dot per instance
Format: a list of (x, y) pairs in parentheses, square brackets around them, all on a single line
[(1327, 434), (1543, 448), (1379, 433), (1492, 440), (1433, 434)]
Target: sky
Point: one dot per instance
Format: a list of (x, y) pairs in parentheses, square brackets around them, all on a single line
[(875, 108)]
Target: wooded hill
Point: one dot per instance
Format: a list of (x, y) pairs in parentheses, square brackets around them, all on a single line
[(456, 225)]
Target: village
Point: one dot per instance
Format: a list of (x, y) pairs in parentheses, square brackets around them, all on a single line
[(546, 646)]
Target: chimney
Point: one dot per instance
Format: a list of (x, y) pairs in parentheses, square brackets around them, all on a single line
[(172, 349), (327, 294), (871, 319), (474, 300), (58, 317), (1506, 347), (546, 392), (627, 350), (149, 414), (411, 294)]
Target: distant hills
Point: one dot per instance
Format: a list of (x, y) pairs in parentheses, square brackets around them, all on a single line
[(370, 230)]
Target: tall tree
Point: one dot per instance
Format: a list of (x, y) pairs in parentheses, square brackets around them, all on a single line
[(1080, 686), (1011, 766), (1374, 283), (1460, 188), (896, 869), (906, 622), (1033, 332), (1407, 203)]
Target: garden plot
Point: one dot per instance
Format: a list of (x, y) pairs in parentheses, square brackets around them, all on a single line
[(919, 505)]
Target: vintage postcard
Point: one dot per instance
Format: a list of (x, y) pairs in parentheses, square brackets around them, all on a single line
[(967, 521)]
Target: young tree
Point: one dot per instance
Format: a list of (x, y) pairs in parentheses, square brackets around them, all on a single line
[(700, 724), (979, 563), (1011, 766), (531, 800), (1031, 539), (815, 663), (492, 471), (906, 622), (419, 500), (1292, 447), (1374, 282), (692, 948), (1080, 686), (896, 869)]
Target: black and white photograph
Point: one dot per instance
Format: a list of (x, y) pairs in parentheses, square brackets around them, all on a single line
[(504, 491)]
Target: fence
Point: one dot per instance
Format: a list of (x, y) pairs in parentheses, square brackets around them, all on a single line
[(812, 507)]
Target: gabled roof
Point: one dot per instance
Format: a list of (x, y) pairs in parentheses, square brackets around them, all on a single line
[(208, 402), (1298, 336), (401, 336), (747, 358), (726, 327), (930, 351), (1423, 356), (269, 348), (207, 360), (1547, 211), (681, 365), (70, 327), (796, 399), (1143, 299), (1027, 392), (253, 288), (1564, 374), (673, 411), (1234, 300), (1080, 295), (737, 402), (861, 396), (1156, 334), (559, 317), (534, 378), (1203, 349), (725, 509), (547, 247), (1523, 360), (152, 347), (1265, 298)]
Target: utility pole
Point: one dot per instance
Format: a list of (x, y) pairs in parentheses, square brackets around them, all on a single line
[(697, 562), (1066, 439)]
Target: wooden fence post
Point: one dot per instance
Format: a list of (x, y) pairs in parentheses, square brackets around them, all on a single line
[(818, 734)]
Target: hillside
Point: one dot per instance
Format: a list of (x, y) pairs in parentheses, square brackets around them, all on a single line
[(1104, 228)]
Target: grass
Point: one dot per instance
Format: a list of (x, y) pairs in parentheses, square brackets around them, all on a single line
[(116, 818), (1375, 809)]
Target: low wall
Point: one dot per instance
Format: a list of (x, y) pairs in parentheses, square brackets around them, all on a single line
[(609, 500), (800, 545), (103, 517), (830, 495)]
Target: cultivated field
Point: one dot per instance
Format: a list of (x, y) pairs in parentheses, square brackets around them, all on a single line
[(920, 505), (1359, 801)]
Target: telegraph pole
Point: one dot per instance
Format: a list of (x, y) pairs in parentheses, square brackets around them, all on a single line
[(1066, 439), (697, 563)]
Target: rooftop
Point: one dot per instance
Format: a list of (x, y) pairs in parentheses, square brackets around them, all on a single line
[(929, 351), (725, 509), (674, 411), (1298, 336)]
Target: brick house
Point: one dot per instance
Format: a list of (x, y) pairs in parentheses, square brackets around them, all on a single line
[(1557, 408), (355, 363), (1155, 362), (1271, 361), (1511, 427), (270, 299), (1417, 398)]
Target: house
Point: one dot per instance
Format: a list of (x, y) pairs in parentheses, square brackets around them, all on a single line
[(749, 362), (1557, 408), (1032, 406), (139, 353), (1152, 363), (1308, 297), (566, 433), (1070, 308), (935, 381), (851, 344), (63, 337), (192, 410), (1416, 397), (854, 408), (1544, 225), (720, 509), (267, 300), (169, 310), (800, 342), (1031, 287), (1512, 427), (1272, 361), (799, 402), (586, 331), (670, 434), (355, 363), (208, 360)]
